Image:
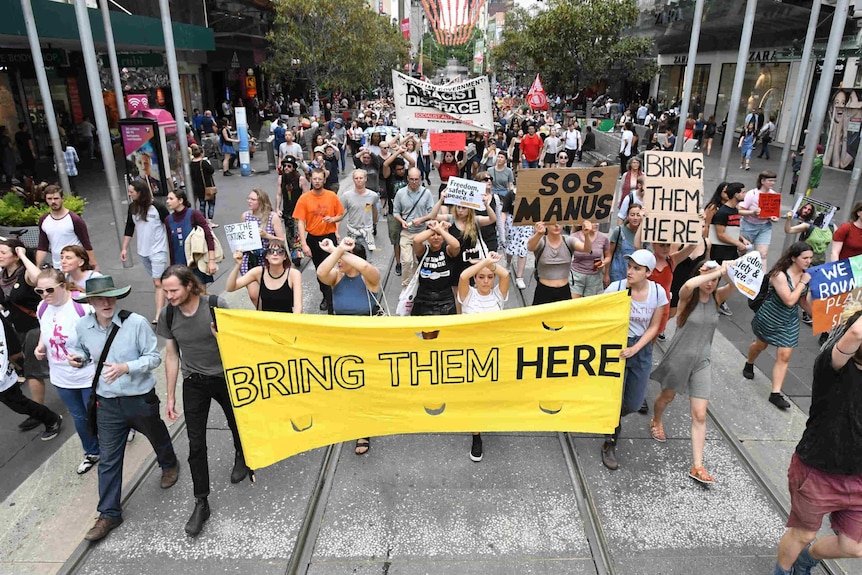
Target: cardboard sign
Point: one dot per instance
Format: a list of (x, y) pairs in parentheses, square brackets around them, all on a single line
[(770, 205), (834, 285), (565, 195), (300, 381), (813, 211), (466, 193), (673, 197), (244, 236), (448, 141), (747, 274)]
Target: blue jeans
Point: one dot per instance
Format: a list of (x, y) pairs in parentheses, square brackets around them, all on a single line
[(116, 415), (526, 164), (636, 378), (76, 401)]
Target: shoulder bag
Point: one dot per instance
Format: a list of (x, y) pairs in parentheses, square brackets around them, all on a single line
[(209, 191), (92, 404)]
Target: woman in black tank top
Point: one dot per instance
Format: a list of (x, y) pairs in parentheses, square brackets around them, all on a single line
[(280, 283)]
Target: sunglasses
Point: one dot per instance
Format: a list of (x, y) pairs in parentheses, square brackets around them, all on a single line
[(384, 147), (276, 251), (44, 291), (487, 179)]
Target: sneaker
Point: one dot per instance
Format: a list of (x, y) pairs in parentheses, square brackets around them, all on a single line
[(699, 474), (644, 408), (662, 337), (29, 423), (778, 401), (103, 526), (212, 224), (227, 173), (52, 431), (723, 309), (748, 371), (87, 464), (131, 436), (609, 456), (520, 283), (806, 318), (398, 269), (804, 562), (476, 449)]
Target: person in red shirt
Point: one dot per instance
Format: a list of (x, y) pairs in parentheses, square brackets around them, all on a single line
[(317, 214), (531, 147), (847, 240)]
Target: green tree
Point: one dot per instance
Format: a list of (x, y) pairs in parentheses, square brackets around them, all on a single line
[(511, 56), (577, 42), (333, 44)]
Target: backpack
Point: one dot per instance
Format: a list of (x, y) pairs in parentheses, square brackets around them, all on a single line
[(79, 309), (818, 238)]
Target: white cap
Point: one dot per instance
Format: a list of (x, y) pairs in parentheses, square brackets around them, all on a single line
[(643, 258)]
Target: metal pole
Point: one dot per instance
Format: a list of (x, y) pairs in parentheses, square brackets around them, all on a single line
[(689, 75), (112, 57), (796, 95), (45, 92), (176, 96), (821, 96), (89, 50), (736, 93)]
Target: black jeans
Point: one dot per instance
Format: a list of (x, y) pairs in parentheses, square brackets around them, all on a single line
[(198, 392), (317, 256), (15, 400)]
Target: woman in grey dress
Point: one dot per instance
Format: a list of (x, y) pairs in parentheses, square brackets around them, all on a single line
[(685, 367)]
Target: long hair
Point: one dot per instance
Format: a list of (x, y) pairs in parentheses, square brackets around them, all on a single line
[(81, 253), (185, 276), (278, 244), (786, 259), (265, 205), (854, 215), (692, 302), (141, 206), (182, 197), (716, 200)]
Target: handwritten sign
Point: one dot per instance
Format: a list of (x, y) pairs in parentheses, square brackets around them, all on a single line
[(466, 193), (834, 285), (673, 197), (565, 195), (244, 236), (747, 274), (770, 205), (448, 141)]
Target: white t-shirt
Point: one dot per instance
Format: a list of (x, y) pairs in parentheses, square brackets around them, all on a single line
[(8, 377), (573, 139), (477, 303), (58, 334), (626, 142), (641, 311), (152, 235), (61, 233)]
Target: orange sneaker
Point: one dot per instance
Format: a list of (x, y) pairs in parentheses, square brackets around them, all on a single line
[(698, 473), (656, 429)]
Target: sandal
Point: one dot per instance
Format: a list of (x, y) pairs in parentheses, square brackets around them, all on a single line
[(364, 444), (657, 431), (698, 473)]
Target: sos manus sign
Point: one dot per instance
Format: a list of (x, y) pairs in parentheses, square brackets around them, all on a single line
[(565, 195)]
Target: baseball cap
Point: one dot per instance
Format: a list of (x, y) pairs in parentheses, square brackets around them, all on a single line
[(643, 258), (321, 149)]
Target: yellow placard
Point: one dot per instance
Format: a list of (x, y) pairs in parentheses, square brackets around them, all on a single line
[(298, 382)]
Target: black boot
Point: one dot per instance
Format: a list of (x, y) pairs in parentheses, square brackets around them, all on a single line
[(609, 455), (240, 469), (199, 516)]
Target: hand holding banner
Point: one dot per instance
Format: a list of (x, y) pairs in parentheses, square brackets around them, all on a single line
[(565, 195), (770, 205), (466, 193)]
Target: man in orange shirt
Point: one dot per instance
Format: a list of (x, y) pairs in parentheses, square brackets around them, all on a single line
[(531, 147), (317, 214)]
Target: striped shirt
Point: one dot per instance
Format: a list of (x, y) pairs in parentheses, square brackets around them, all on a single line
[(71, 158)]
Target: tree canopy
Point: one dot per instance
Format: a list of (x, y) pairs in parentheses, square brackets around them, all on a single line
[(333, 44), (574, 43)]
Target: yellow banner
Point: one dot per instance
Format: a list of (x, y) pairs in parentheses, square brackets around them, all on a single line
[(298, 382)]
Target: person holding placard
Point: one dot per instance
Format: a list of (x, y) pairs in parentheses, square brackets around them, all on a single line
[(553, 252), (449, 167), (277, 285), (776, 322), (685, 367), (758, 229), (724, 234), (261, 214)]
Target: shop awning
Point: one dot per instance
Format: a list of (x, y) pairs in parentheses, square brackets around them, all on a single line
[(56, 23)]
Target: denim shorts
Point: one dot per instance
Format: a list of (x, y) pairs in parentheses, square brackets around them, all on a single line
[(156, 264), (757, 234)]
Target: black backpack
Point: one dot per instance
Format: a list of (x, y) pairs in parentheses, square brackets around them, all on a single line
[(755, 303)]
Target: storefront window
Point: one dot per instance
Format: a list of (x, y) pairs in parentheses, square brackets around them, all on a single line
[(763, 88), (672, 81)]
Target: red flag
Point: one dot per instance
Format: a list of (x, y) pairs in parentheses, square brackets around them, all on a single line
[(536, 96)]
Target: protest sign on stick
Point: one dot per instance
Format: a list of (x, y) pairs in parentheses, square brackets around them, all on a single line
[(673, 197)]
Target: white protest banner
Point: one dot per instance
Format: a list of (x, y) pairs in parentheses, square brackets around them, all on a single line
[(465, 193), (746, 273), (243, 237), (673, 197), (461, 106)]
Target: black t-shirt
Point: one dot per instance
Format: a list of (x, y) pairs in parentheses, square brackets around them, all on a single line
[(436, 271), (728, 217), (208, 125), (832, 440)]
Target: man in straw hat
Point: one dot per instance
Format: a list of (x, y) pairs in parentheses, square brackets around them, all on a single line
[(825, 474), (125, 393)]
